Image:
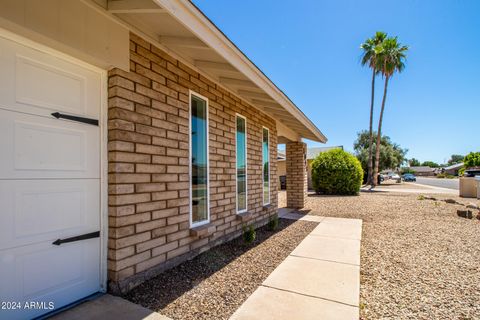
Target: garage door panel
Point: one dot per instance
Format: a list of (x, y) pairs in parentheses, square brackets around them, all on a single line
[(47, 273), (49, 179), (45, 210), (39, 83), (38, 147)]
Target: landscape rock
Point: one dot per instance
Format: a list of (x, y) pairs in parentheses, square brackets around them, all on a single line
[(465, 214), (473, 206), (451, 201)]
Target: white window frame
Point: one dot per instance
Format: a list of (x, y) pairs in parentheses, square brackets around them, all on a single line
[(237, 115), (263, 173), (207, 221)]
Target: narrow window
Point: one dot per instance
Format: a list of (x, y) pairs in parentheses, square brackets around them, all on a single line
[(199, 195), (266, 167), (241, 142)]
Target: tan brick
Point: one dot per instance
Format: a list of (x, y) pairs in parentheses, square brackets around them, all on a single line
[(170, 212), (130, 261), (150, 206), (131, 219), (132, 117), (129, 136), (150, 187), (178, 235), (121, 253), (164, 230), (168, 177), (154, 224), (164, 160), (164, 107), (144, 148), (150, 168), (120, 125), (128, 157), (152, 131), (131, 240), (116, 232), (147, 245), (150, 74), (177, 202), (135, 77), (128, 95), (128, 178), (121, 167), (164, 195), (117, 102), (177, 252), (147, 264), (165, 248), (121, 211), (177, 219), (121, 146), (121, 188)]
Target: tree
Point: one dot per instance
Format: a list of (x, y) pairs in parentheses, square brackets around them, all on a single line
[(369, 57), (391, 58), (455, 158), (414, 162), (391, 154), (430, 164), (472, 160)]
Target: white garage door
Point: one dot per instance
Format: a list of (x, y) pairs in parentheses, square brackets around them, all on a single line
[(49, 181)]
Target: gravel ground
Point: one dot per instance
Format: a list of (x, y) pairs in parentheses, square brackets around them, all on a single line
[(214, 284), (418, 259)]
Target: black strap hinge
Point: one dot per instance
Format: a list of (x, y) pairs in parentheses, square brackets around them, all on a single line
[(85, 236), (59, 115)]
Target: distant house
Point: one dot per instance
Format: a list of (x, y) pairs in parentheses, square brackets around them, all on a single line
[(312, 153), (453, 169), (424, 171)]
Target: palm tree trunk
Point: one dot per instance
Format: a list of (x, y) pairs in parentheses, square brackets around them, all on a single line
[(370, 155), (379, 133)]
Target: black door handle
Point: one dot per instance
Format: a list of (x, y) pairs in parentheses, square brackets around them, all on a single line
[(85, 236), (59, 115)]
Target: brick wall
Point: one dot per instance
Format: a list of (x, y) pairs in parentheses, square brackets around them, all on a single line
[(148, 165), (296, 174)]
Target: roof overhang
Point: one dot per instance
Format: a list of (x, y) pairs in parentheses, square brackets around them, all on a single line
[(183, 30)]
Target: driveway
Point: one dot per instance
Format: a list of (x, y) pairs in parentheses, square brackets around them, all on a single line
[(442, 183)]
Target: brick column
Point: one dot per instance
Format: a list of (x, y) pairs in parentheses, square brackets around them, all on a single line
[(296, 174)]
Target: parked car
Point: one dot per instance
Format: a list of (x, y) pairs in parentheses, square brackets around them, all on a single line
[(393, 176), (409, 177)]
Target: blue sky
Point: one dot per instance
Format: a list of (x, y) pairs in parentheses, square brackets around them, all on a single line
[(310, 49)]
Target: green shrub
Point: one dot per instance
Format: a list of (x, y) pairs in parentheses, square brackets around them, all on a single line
[(461, 172), (249, 234), (336, 172), (472, 160), (273, 223), (441, 175)]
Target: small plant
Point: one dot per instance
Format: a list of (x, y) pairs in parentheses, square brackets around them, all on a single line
[(441, 176), (273, 223), (421, 197), (249, 234)]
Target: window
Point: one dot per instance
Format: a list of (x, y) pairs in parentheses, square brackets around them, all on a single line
[(199, 195), (266, 166), (241, 152)]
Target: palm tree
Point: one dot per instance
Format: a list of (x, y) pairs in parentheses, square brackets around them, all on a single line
[(370, 49), (390, 59)]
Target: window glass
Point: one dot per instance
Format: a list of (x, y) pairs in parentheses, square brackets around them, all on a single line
[(266, 167), (241, 152), (199, 160)]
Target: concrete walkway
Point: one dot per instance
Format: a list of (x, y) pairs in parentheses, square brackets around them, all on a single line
[(108, 307), (320, 279)]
